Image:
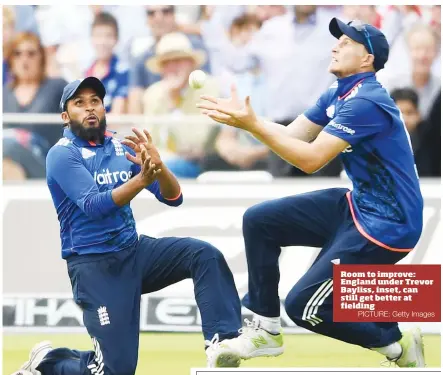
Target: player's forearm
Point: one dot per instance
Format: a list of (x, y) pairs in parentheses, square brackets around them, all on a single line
[(301, 128), (273, 126), (128, 191), (169, 186), (296, 152)]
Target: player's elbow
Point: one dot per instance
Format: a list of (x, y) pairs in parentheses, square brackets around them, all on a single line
[(310, 167), (311, 170), (314, 161)]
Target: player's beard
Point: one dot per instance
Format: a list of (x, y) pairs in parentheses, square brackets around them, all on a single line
[(89, 134)]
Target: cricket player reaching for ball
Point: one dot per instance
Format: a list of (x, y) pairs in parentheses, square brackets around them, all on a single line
[(378, 222), (93, 177)]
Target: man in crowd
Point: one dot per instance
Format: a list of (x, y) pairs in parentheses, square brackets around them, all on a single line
[(161, 20)]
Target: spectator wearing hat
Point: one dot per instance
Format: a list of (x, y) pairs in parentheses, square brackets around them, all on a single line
[(161, 21), (175, 58)]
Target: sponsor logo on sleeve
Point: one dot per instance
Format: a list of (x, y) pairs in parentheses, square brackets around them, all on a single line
[(342, 127)]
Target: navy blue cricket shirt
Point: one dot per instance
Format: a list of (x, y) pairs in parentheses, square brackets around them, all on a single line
[(386, 201), (81, 176)]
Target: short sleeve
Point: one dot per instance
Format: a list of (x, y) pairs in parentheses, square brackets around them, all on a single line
[(318, 113), (357, 120)]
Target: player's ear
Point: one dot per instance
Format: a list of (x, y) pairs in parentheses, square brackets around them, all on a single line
[(368, 61), (65, 117)]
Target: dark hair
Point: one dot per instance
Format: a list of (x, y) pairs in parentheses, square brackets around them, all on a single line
[(246, 20), (105, 19), (405, 93)]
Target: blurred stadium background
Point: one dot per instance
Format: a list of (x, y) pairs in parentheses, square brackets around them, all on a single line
[(144, 54)]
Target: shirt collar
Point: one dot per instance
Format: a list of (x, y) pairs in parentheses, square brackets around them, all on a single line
[(80, 142), (345, 85)]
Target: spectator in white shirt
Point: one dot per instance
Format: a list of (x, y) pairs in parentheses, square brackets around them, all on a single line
[(422, 44)]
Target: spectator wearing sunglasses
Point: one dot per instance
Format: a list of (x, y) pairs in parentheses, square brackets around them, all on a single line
[(161, 21), (30, 91)]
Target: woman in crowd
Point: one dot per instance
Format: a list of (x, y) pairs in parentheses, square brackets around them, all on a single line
[(29, 91)]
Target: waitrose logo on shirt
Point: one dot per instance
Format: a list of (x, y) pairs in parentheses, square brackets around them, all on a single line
[(108, 177)]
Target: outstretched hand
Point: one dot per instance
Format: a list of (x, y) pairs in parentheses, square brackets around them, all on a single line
[(135, 143), (229, 111)]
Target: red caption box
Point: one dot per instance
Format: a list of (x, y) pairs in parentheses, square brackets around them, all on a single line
[(387, 293)]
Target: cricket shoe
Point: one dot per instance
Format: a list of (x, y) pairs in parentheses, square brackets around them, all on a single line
[(254, 341), (219, 355), (413, 351), (38, 352)]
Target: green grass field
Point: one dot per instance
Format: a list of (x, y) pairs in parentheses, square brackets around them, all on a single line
[(177, 353)]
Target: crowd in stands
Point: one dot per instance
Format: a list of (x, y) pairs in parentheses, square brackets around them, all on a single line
[(277, 54)]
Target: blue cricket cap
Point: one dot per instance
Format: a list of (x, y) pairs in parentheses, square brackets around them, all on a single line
[(71, 88), (371, 37)]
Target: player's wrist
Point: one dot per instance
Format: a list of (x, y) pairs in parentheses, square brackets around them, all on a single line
[(256, 126), (141, 181)]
